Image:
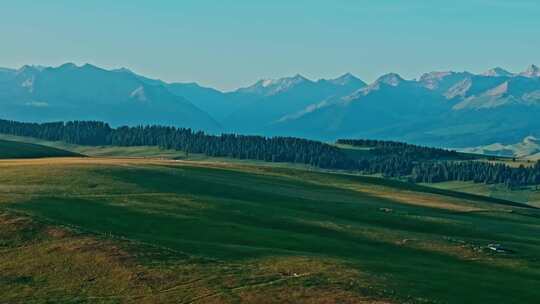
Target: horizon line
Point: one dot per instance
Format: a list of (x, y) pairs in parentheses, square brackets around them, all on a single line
[(291, 75)]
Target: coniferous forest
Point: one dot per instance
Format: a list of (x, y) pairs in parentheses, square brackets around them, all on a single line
[(275, 149), (389, 158)]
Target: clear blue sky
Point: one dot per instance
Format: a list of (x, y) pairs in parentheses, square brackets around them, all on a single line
[(227, 44)]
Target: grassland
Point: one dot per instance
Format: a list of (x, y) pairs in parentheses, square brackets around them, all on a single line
[(157, 231), (15, 149), (527, 195), (101, 151)]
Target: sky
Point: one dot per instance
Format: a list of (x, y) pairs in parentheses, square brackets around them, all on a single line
[(228, 44)]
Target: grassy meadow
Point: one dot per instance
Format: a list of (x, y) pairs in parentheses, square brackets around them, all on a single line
[(14, 149), (98, 151), (156, 231), (528, 195)]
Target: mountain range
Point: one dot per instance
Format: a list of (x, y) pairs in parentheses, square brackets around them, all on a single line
[(71, 92), (447, 109), (528, 148)]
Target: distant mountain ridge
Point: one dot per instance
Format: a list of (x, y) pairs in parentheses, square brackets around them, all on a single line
[(268, 102), (441, 108), (528, 148), (87, 92), (449, 109)]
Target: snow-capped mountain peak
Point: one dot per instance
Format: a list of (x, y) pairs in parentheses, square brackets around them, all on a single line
[(29, 69), (529, 147), (432, 80), (497, 72), (531, 140), (269, 87), (345, 79), (391, 79), (532, 71), (435, 75), (282, 82)]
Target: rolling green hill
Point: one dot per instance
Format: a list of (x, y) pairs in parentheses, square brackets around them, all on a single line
[(16, 149), (527, 195), (128, 230), (521, 195), (99, 151)]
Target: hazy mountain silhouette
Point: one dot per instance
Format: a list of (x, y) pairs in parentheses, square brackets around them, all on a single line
[(453, 109), (70, 92)]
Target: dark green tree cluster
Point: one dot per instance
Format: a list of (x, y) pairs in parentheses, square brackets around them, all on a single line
[(388, 166), (392, 149), (75, 132), (433, 165), (395, 159), (478, 172), (275, 149)]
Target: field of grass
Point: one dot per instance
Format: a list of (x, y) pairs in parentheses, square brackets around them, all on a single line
[(157, 231), (141, 152), (148, 152), (101, 151), (525, 195), (528, 195), (15, 149)]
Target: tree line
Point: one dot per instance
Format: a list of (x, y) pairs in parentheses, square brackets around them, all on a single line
[(394, 148), (478, 172), (388, 158), (433, 165), (274, 149)]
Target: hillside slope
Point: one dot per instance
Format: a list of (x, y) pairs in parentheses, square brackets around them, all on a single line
[(15, 149), (167, 231)]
